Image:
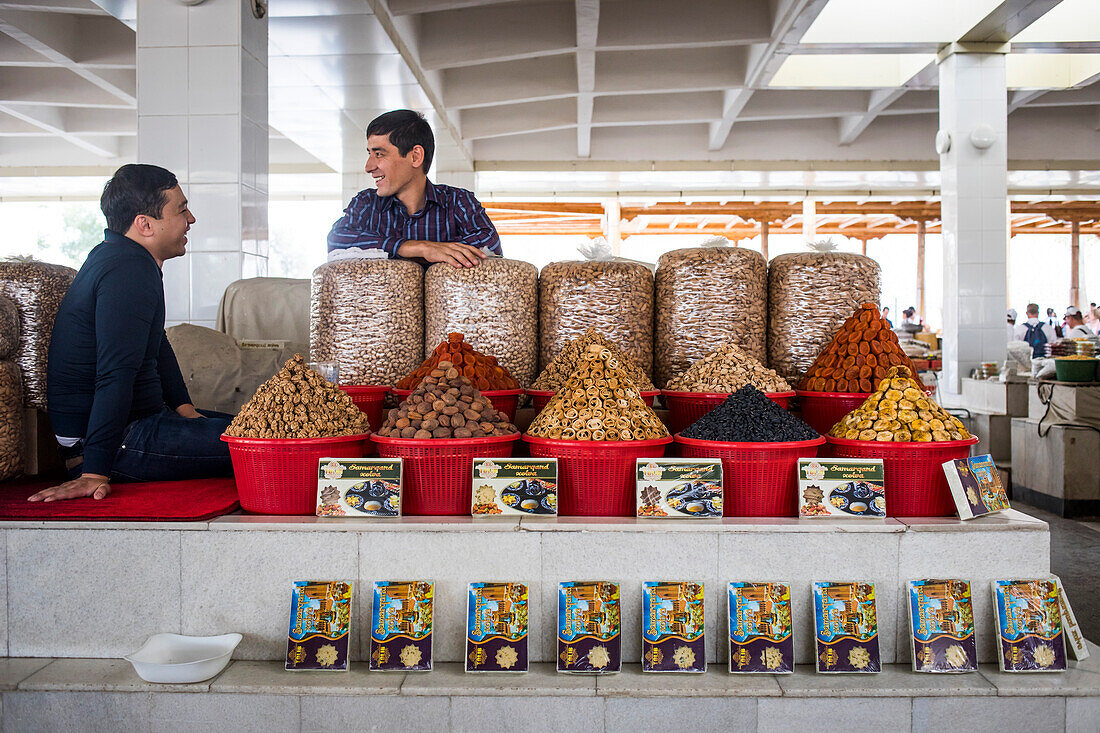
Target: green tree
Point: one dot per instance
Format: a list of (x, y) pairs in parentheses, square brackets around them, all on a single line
[(83, 229)]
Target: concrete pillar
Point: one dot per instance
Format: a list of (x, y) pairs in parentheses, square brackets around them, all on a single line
[(202, 113), (973, 111)]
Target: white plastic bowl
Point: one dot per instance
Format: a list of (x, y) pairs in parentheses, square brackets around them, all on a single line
[(174, 658)]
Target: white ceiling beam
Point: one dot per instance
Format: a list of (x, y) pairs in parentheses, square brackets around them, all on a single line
[(1008, 19), (1021, 97), (852, 126), (588, 25), (52, 120), (733, 101)]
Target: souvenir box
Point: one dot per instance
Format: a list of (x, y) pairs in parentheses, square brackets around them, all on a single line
[(975, 486), (496, 627), (401, 619), (841, 487), (760, 628), (1075, 640), (673, 637), (523, 486), (941, 624), (589, 630), (1029, 626), (359, 487), (320, 626), (679, 488), (846, 627)]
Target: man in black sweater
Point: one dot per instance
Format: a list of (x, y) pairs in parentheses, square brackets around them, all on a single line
[(116, 399)]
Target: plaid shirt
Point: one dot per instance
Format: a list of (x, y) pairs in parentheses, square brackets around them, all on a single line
[(382, 222)]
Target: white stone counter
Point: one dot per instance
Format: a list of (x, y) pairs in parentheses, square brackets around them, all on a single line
[(84, 589)]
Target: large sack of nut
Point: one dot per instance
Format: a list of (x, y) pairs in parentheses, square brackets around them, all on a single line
[(9, 328), (11, 421), (614, 297), (36, 288), (494, 305), (368, 315), (705, 297), (810, 294)]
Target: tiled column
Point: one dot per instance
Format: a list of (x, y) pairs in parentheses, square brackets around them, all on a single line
[(202, 113), (973, 98)]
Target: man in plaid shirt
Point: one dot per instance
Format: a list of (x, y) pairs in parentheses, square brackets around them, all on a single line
[(407, 215)]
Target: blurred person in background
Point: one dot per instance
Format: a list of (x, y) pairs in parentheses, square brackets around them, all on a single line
[(1012, 324), (1037, 334), (1075, 324)]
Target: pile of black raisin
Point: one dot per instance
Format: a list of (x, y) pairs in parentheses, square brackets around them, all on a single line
[(748, 416)]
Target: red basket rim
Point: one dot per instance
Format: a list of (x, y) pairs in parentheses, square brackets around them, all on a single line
[(715, 395), (276, 442), (365, 388), (485, 392), (837, 395), (552, 392), (907, 444), (819, 440), (443, 442), (558, 442)]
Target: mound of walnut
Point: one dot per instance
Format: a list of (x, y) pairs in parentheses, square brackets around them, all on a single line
[(727, 369), (298, 403), (445, 405)]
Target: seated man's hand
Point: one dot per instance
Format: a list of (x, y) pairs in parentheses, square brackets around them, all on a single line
[(89, 484), (188, 410), (455, 254)]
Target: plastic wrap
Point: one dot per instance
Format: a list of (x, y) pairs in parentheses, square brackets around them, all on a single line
[(36, 288), (810, 295), (707, 297), (614, 297), (12, 439), (9, 328), (368, 315), (494, 305)]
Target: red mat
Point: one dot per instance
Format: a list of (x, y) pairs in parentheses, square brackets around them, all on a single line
[(155, 501)]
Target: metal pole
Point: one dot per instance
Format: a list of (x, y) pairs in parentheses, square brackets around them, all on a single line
[(764, 226)]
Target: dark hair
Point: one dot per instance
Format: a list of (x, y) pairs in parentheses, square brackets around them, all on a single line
[(135, 189), (1032, 308), (406, 130)]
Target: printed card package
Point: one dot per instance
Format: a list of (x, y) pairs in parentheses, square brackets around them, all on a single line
[(401, 619), (841, 487), (846, 624), (679, 488), (589, 629), (359, 487), (1075, 640), (975, 486), (672, 627), (760, 628), (1029, 626), (523, 486), (320, 626), (496, 627), (941, 621)]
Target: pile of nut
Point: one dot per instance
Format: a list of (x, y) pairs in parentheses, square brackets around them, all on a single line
[(899, 412), (298, 403), (727, 369), (859, 355), (445, 405), (598, 402), (566, 362), (613, 296), (808, 295), (496, 305), (706, 296), (482, 371), (12, 439)]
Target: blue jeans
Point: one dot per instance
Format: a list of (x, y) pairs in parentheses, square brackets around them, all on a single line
[(168, 447)]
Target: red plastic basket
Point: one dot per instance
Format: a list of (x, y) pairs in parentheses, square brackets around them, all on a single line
[(502, 400), (596, 478), (758, 479), (438, 472), (684, 408), (915, 482), (822, 410), (369, 399), (279, 476), (540, 398)]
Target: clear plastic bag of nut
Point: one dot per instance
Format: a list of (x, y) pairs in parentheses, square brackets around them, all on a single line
[(368, 315), (9, 328), (12, 441), (810, 295), (494, 305), (614, 296), (705, 297), (37, 289)]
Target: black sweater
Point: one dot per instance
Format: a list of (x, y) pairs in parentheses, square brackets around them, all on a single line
[(110, 361)]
